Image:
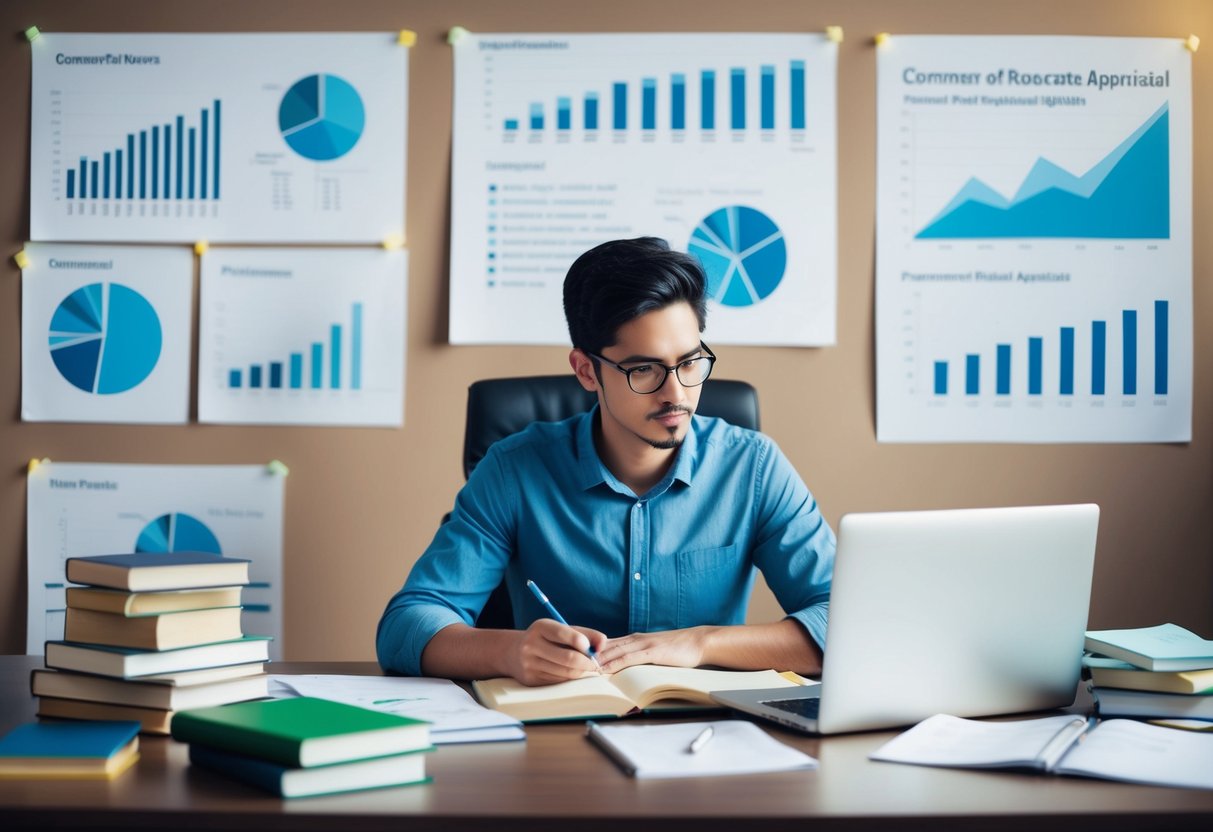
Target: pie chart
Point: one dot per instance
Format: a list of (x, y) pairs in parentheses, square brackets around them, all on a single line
[(321, 117), (105, 338), (177, 532), (743, 253)]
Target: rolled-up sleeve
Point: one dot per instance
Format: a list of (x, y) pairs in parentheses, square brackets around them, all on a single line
[(794, 545), (453, 579)]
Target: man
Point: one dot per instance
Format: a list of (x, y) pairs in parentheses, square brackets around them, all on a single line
[(641, 521)]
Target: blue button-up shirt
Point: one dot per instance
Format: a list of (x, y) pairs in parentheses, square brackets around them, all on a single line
[(542, 505)]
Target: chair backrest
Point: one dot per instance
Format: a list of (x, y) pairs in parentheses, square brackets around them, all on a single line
[(498, 407)]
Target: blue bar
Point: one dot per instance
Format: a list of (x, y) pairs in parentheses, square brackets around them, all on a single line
[(71, 184), (1099, 341), (83, 178), (202, 152), (564, 113), (215, 190), (1160, 347), (254, 375), (168, 130), (296, 370), (621, 106), (317, 364), (193, 137), (117, 176), (797, 92), (648, 108), (537, 116), (941, 378), (356, 349), (143, 164), (1066, 385), (94, 175), (678, 101), (972, 374), (130, 165), (180, 154), (156, 161), (511, 124), (707, 99), (1003, 387), (106, 174), (768, 97), (234, 378), (737, 76), (591, 111), (275, 374), (1129, 319), (335, 356), (1035, 365)]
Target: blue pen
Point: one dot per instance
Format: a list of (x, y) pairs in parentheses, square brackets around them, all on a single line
[(554, 613)]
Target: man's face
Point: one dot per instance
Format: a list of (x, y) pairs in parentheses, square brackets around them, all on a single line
[(661, 419)]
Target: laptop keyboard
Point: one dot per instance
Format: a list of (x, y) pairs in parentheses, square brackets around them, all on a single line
[(800, 706)]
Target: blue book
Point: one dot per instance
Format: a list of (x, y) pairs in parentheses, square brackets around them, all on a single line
[(1167, 647), (52, 750), (288, 781), (149, 572)]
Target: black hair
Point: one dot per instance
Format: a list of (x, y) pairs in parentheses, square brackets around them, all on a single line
[(618, 281)]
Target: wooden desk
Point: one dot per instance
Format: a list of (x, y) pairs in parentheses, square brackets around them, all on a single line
[(557, 781)]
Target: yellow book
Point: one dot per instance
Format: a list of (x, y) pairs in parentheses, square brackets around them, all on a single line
[(153, 632), (151, 720), (132, 604), (1182, 681), (637, 688)]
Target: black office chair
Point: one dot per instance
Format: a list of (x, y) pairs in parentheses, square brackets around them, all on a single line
[(500, 407)]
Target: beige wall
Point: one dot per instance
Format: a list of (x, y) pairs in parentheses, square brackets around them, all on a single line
[(361, 504)]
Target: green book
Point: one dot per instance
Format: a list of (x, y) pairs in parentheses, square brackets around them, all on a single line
[(301, 732)]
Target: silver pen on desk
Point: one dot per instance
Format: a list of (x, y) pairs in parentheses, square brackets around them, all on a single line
[(702, 739)]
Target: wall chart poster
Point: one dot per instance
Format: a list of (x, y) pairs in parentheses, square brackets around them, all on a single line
[(83, 509), (723, 144), (219, 137), (1034, 240)]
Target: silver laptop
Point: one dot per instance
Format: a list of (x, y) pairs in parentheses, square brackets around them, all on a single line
[(969, 612)]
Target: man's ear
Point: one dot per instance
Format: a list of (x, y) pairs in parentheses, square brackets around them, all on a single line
[(583, 368)]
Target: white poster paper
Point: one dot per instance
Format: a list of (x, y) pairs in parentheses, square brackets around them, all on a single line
[(1034, 256), (83, 509), (723, 144), (302, 336), (105, 333), (220, 137)]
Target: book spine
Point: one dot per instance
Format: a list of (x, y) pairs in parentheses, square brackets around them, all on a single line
[(188, 728)]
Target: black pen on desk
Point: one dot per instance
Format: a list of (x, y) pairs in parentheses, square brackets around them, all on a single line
[(555, 614), (701, 739)]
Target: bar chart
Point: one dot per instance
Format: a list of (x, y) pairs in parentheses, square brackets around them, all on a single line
[(663, 103), (295, 337), (178, 159)]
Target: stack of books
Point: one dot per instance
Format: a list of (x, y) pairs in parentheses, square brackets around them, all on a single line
[(306, 746), (149, 635), (1163, 672)]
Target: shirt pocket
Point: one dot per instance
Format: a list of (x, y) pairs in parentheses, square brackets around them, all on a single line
[(713, 586)]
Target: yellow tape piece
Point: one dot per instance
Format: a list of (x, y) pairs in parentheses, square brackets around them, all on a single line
[(834, 34), (32, 34), (201, 247), (392, 242), (456, 34), (407, 37), (21, 259), (881, 38), (34, 463), (1192, 43), (275, 466)]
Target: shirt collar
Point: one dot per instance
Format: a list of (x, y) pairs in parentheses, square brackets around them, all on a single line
[(592, 471)]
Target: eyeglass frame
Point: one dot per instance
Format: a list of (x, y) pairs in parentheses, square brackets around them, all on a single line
[(627, 371)]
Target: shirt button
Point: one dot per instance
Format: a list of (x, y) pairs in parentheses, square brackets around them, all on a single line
[(636, 576)]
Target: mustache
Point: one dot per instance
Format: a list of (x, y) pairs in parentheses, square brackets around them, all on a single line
[(670, 411)]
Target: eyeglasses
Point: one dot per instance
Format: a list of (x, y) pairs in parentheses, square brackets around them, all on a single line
[(649, 378)]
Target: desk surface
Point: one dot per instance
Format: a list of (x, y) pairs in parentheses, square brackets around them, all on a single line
[(557, 781)]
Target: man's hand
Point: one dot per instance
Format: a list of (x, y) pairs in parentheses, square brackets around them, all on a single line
[(675, 648), (782, 645), (550, 652)]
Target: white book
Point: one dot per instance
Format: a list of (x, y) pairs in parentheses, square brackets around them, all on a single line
[(1117, 749)]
